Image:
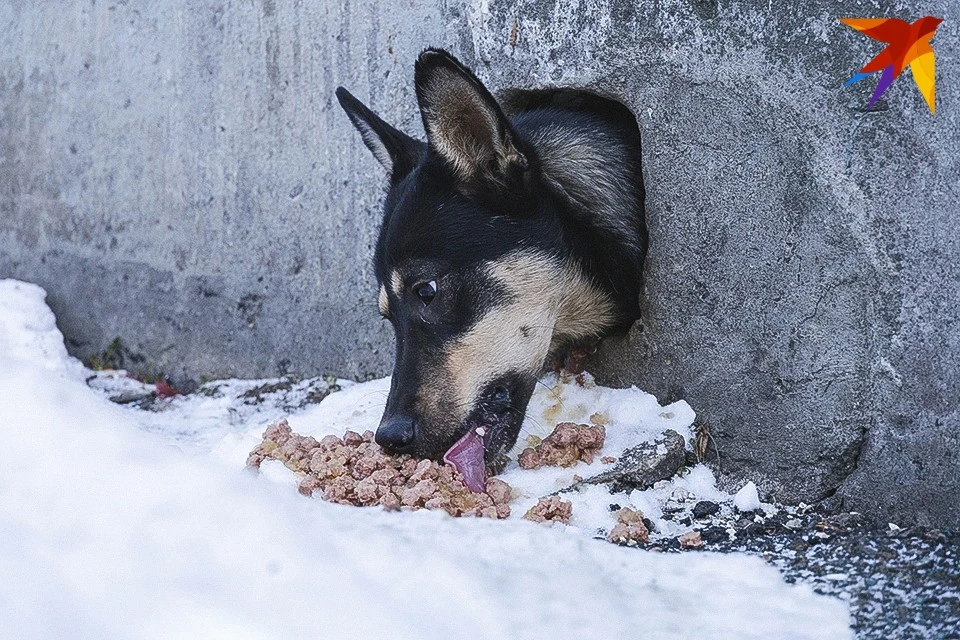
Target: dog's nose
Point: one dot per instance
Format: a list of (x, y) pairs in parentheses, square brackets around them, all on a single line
[(397, 434)]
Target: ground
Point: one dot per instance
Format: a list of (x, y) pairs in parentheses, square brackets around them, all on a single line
[(898, 583), (128, 514)]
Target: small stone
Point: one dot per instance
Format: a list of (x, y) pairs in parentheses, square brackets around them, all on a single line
[(329, 443), (646, 464), (713, 535), (489, 512), (256, 458), (619, 534), (308, 485), (705, 509), (628, 516), (672, 507), (390, 502), (437, 502), (426, 470), (799, 544), (850, 520), (366, 491)]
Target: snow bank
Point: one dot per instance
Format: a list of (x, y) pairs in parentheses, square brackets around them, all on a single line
[(115, 528)]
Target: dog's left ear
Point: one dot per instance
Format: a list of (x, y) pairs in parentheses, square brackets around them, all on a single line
[(464, 123), (395, 150)]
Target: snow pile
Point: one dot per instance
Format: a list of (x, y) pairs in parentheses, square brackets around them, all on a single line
[(114, 527), (747, 499)]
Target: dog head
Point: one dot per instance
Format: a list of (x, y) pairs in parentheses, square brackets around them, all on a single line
[(467, 265)]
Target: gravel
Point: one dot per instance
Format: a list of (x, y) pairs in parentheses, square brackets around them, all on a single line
[(899, 583)]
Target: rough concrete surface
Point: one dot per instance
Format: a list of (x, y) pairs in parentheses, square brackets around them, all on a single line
[(178, 175)]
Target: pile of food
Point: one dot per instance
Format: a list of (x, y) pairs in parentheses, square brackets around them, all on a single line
[(630, 529), (355, 470), (566, 446), (550, 509)]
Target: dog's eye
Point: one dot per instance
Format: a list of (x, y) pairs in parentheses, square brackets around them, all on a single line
[(426, 291)]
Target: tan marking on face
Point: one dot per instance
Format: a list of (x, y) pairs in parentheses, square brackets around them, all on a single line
[(552, 303), (512, 337), (383, 303), (396, 283)]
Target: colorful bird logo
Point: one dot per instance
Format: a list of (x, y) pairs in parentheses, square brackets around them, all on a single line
[(908, 44)]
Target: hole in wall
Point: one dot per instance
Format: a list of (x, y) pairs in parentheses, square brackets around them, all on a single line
[(606, 107)]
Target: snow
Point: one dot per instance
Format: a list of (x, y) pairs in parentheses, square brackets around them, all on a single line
[(122, 523), (747, 498)]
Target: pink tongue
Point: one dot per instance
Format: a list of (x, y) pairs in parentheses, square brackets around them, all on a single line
[(466, 456)]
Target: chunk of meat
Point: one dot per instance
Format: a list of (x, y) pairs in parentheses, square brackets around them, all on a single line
[(630, 529), (566, 446), (550, 509)]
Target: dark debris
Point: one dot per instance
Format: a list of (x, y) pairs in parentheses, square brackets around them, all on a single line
[(899, 583)]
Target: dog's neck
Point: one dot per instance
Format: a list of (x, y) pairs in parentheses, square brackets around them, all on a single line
[(585, 310)]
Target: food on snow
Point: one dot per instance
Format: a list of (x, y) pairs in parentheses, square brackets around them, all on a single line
[(355, 470), (568, 444), (550, 509)]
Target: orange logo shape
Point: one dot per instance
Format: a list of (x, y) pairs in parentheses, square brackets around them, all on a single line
[(907, 44)]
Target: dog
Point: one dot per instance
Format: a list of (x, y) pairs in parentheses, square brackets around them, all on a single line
[(513, 235)]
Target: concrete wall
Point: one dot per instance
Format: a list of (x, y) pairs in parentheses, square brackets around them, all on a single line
[(179, 175)]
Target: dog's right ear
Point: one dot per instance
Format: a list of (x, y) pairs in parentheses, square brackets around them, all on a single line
[(464, 123), (395, 150)]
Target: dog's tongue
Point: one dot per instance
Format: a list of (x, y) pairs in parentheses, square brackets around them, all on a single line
[(466, 456)]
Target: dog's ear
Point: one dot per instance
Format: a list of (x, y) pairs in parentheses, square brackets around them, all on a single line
[(395, 150), (464, 123)]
